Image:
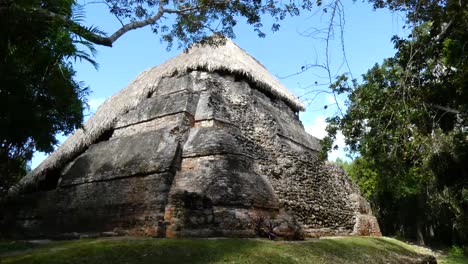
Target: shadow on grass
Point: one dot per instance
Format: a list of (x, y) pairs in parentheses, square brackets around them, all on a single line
[(10, 246), (103, 251)]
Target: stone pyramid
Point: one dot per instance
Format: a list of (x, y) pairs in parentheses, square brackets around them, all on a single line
[(206, 144)]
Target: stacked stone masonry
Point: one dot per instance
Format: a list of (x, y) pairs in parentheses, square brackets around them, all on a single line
[(206, 154)]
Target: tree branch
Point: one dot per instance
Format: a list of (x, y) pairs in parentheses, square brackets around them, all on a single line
[(446, 109), (108, 41), (135, 25), (443, 33), (97, 38), (146, 22)]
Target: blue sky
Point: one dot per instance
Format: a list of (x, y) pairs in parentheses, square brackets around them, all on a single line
[(366, 37)]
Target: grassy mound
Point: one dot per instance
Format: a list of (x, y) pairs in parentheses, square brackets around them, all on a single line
[(454, 255), (138, 250)]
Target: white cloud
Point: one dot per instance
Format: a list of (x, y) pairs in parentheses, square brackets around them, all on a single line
[(330, 99), (94, 103), (317, 129), (339, 153)]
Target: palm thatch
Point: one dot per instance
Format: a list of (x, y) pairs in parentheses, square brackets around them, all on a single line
[(227, 57)]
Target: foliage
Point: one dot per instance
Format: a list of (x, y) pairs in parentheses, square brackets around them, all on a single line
[(187, 21), (454, 255), (362, 174), (408, 121), (195, 20), (39, 96), (134, 250)]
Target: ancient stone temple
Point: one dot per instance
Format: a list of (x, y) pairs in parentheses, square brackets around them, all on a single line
[(206, 144)]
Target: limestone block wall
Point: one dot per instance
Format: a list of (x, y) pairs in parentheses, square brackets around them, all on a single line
[(206, 154)]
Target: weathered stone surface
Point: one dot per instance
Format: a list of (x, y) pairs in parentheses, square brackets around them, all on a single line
[(366, 225), (160, 106), (297, 135), (203, 141), (206, 154), (177, 84), (176, 124), (139, 154), (134, 204), (225, 180), (212, 106), (287, 122)]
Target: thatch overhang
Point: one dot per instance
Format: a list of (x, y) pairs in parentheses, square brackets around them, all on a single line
[(225, 58)]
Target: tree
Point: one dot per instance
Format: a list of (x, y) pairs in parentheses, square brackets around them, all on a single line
[(39, 96), (193, 20), (362, 174), (408, 121)]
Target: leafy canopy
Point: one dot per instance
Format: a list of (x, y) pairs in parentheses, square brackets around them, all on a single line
[(39, 96), (185, 21), (195, 20), (408, 121)]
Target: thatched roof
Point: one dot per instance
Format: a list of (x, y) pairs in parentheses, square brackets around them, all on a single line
[(228, 57)]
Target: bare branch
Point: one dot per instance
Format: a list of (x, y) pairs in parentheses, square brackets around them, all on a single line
[(146, 22), (135, 25), (304, 69)]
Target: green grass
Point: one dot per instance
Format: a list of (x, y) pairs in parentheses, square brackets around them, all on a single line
[(128, 250), (8, 246), (454, 256)]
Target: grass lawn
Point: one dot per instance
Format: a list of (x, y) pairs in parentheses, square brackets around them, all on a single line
[(139, 250), (8, 246), (453, 256)]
